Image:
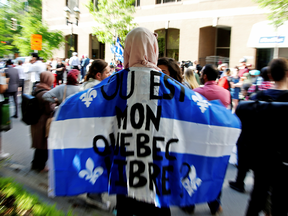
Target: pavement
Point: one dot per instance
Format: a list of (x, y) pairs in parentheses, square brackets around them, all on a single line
[(17, 142)]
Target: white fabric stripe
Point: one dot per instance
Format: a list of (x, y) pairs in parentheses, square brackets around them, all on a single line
[(204, 140), (141, 96), (51, 179)]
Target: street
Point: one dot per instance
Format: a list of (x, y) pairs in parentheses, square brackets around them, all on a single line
[(17, 142)]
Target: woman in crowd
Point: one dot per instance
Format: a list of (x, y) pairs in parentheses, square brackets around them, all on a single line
[(235, 87), (170, 67), (141, 51), (56, 94), (39, 139), (60, 69), (265, 84), (98, 71), (190, 79), (119, 66)]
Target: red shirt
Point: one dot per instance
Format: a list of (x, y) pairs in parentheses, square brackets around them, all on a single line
[(212, 91)]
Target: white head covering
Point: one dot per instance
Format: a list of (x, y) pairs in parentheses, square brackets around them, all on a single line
[(141, 49)]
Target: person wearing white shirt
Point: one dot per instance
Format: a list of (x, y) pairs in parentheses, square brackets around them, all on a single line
[(37, 67), (74, 62), (20, 69)]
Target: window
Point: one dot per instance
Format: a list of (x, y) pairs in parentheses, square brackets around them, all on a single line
[(71, 4), (168, 43), (136, 3), (97, 49), (68, 48), (166, 1)]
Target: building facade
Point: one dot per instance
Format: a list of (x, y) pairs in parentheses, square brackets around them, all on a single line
[(210, 31)]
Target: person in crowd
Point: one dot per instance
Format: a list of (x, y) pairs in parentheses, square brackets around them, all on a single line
[(243, 69), (74, 61), (265, 84), (270, 166), (211, 91), (190, 78), (235, 87), (244, 91), (56, 94), (21, 73), (141, 50), (98, 71), (170, 67), (221, 68), (37, 68), (12, 74), (38, 135), (3, 88), (84, 64), (60, 69), (90, 63), (112, 69), (119, 66)]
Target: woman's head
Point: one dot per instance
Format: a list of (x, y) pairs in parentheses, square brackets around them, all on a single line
[(46, 80), (141, 49), (189, 76), (170, 67), (98, 68), (72, 77)]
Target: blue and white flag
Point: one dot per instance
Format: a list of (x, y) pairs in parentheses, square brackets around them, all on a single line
[(142, 134), (117, 49)]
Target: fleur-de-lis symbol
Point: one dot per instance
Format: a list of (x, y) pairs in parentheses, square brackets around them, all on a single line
[(190, 181), (203, 104), (88, 96), (90, 172)]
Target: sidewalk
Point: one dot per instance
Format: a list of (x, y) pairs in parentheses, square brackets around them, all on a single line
[(37, 183), (234, 203)]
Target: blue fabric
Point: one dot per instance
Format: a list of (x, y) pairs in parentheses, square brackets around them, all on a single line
[(235, 91), (176, 177)]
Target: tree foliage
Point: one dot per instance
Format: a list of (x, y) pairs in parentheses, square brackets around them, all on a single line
[(29, 21), (279, 10), (113, 18)]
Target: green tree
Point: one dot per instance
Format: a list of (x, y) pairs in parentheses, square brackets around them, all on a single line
[(113, 18), (279, 10), (29, 21)]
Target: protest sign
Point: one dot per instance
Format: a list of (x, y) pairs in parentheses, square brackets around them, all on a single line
[(143, 134)]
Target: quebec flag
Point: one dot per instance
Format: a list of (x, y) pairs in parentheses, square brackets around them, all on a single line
[(142, 134), (117, 49)]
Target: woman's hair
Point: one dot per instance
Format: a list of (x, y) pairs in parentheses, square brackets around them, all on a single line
[(173, 68), (72, 77), (97, 66), (190, 78)]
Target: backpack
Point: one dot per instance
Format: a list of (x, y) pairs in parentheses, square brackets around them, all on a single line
[(224, 82), (30, 108)]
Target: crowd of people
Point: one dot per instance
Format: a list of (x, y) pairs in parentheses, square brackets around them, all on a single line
[(229, 85)]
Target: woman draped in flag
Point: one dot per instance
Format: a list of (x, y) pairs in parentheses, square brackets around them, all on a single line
[(141, 50)]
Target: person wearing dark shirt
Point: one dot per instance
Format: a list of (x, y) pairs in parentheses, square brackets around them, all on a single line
[(271, 173), (60, 68)]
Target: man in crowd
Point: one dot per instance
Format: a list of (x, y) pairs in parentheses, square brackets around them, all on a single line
[(74, 61), (20, 69), (211, 90), (270, 162), (37, 67), (84, 64), (12, 74)]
